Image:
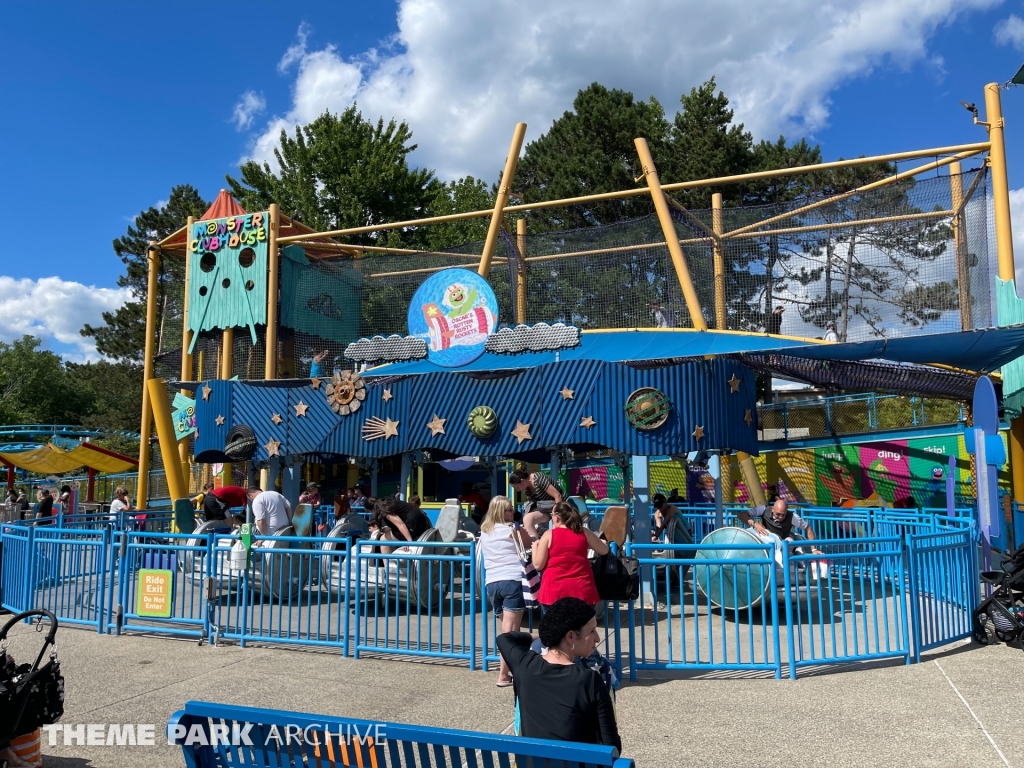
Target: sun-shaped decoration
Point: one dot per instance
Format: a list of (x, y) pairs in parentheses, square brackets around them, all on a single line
[(346, 393)]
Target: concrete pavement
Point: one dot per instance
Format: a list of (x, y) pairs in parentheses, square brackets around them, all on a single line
[(858, 715)]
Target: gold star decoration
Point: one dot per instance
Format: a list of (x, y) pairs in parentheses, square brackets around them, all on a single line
[(273, 447), (206, 390), (587, 421), (386, 397), (566, 393), (748, 417), (698, 433), (276, 418), (301, 408), (315, 382), (220, 421), (521, 432), (436, 426), (376, 428), (734, 384)]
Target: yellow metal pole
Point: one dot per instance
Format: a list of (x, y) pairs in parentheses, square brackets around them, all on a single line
[(186, 357), (502, 200), (274, 264), (521, 272), (146, 427), (1004, 251), (227, 362), (963, 279), (273, 282), (1000, 185), (717, 227), (755, 493), (671, 236), (157, 389)]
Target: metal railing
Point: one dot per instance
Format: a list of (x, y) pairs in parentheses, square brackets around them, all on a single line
[(854, 414), (887, 585), (694, 631)]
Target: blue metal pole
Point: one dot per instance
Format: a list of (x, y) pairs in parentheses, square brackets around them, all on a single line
[(787, 587)]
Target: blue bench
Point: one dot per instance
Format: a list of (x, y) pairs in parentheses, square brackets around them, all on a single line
[(218, 735)]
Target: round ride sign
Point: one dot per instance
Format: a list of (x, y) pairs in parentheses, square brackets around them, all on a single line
[(455, 311)]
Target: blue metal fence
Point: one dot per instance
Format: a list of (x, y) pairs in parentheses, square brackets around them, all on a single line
[(685, 629), (417, 603), (855, 610), (943, 587), (889, 584), (185, 556)]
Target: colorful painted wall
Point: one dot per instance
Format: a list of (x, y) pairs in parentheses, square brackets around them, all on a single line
[(896, 470)]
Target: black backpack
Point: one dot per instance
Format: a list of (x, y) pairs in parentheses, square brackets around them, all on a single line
[(617, 577)]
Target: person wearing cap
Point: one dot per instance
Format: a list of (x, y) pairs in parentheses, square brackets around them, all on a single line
[(773, 323), (311, 496), (559, 697), (830, 331)]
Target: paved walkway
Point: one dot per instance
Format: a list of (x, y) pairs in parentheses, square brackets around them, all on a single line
[(959, 708)]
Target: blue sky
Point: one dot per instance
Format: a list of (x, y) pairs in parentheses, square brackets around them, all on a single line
[(110, 104)]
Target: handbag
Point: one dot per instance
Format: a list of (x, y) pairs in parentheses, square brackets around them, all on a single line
[(617, 577), (531, 576)]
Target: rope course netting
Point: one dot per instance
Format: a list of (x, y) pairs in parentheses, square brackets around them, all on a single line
[(898, 260)]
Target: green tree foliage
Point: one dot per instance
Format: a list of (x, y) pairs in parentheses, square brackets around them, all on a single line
[(705, 143), (123, 335), (462, 196), (35, 388), (587, 151), (341, 171)]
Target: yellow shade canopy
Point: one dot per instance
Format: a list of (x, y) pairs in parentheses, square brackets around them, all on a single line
[(50, 460)]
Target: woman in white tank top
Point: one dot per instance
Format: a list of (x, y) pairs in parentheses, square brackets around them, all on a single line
[(503, 570)]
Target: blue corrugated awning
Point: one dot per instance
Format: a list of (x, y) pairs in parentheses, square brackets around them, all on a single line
[(980, 350)]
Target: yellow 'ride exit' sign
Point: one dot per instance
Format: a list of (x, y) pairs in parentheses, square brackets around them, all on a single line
[(153, 596)]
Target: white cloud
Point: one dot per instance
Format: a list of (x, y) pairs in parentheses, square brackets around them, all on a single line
[(249, 105), (55, 310), (296, 50), (1010, 31), (462, 73)]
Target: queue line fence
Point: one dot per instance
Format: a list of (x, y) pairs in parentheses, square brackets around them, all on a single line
[(886, 585)]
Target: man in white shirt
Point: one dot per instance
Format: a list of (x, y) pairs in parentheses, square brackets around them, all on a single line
[(830, 331), (270, 510)]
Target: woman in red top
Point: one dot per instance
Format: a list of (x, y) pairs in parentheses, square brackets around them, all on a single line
[(561, 554)]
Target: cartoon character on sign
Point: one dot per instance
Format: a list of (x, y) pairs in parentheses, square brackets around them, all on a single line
[(455, 311)]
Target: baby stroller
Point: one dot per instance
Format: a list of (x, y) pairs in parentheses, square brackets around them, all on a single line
[(1005, 606), (30, 695)]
